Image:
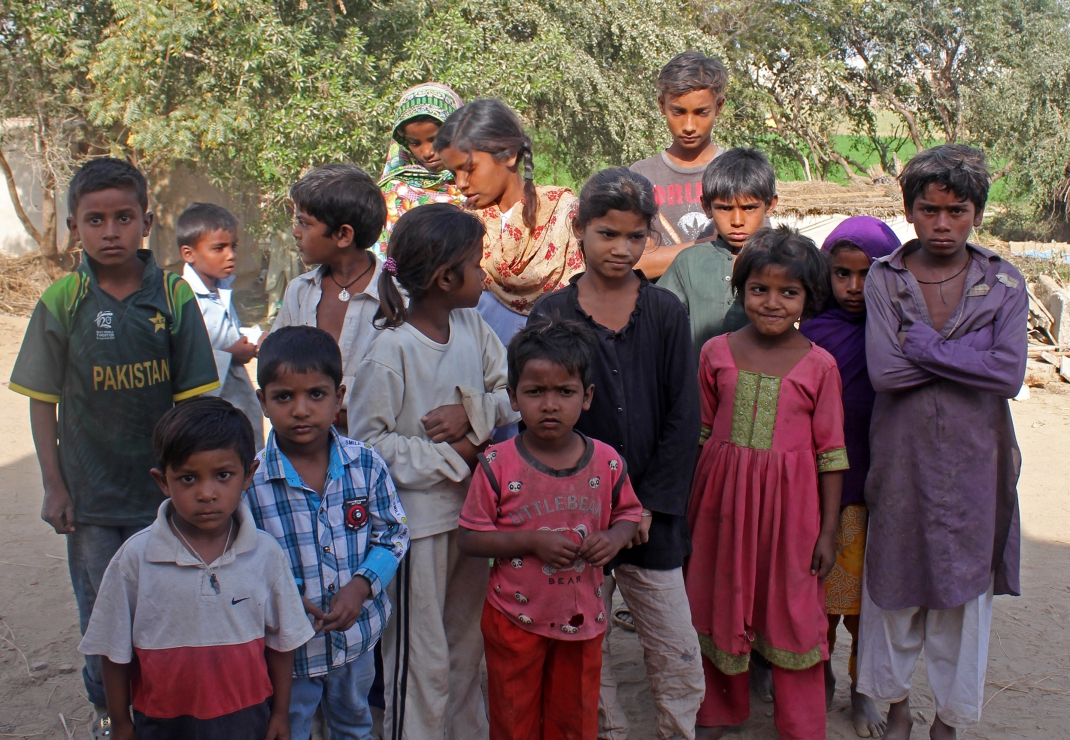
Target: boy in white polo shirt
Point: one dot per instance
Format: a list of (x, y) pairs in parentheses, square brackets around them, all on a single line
[(203, 601)]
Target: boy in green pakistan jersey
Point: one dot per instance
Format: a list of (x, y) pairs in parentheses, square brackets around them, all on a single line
[(115, 344)]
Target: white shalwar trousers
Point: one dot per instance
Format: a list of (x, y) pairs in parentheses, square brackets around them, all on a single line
[(956, 654)]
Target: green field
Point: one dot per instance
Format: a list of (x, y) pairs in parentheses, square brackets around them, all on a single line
[(853, 147)]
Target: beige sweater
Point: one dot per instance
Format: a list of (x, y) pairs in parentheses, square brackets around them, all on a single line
[(403, 377)]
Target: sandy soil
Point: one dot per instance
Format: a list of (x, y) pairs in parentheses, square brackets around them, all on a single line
[(1029, 664)]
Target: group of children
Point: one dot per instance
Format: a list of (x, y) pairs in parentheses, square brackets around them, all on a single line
[(737, 447)]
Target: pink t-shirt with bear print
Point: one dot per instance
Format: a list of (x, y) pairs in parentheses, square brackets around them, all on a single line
[(559, 604)]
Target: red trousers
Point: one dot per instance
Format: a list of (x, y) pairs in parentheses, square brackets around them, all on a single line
[(798, 708), (540, 689)]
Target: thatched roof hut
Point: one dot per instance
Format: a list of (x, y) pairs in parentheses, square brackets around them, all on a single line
[(816, 208), (803, 199)]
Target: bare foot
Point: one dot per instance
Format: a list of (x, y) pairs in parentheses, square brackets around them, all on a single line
[(830, 686), (709, 733), (899, 721), (761, 680), (867, 720), (940, 731)]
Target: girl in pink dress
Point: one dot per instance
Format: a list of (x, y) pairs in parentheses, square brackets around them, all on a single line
[(765, 502)]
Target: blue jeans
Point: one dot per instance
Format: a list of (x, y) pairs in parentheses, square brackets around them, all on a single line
[(344, 695), (89, 550)]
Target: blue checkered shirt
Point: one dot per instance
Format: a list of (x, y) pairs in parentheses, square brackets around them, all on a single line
[(357, 528)]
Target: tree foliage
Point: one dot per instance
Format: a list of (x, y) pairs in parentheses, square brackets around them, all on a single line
[(44, 51), (256, 91)]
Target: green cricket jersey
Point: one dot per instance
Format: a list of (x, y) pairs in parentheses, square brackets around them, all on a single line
[(114, 368)]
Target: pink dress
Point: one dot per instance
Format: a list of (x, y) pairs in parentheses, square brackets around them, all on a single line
[(755, 510)]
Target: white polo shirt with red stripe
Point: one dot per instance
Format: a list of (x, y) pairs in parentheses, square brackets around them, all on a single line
[(196, 635)]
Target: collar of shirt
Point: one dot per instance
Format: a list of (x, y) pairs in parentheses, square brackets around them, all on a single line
[(370, 291), (222, 292), (151, 273), (984, 264), (164, 547), (277, 466), (720, 243), (644, 283)]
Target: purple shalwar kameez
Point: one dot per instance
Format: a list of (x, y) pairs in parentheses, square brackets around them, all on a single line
[(941, 490)]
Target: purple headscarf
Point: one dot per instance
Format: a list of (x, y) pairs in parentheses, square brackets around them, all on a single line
[(843, 335)]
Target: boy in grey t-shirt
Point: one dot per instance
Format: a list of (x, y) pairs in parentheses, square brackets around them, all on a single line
[(691, 96)]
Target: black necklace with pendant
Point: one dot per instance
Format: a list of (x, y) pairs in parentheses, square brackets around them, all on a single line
[(941, 282), (344, 295)]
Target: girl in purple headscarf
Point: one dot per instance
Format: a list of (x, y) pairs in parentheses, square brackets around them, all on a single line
[(841, 331)]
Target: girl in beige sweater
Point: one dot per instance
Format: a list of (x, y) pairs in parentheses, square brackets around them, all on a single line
[(428, 394)]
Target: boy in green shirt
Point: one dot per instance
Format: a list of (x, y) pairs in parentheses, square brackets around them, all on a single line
[(115, 344), (738, 194)]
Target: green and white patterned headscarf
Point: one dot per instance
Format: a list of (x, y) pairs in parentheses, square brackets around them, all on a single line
[(430, 99)]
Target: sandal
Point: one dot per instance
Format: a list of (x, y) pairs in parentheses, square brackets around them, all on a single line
[(622, 617), (100, 728)]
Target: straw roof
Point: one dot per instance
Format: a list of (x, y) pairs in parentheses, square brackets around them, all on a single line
[(22, 281), (829, 198)]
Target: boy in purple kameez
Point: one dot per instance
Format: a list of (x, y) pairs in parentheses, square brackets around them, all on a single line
[(946, 348)]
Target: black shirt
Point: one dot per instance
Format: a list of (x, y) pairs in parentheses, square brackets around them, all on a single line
[(646, 406)]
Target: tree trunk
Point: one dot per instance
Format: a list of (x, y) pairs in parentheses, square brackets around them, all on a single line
[(48, 214), (16, 202)]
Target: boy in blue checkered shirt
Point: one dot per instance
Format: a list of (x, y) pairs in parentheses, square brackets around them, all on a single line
[(330, 503)]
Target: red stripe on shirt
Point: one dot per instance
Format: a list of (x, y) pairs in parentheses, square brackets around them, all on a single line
[(204, 682)]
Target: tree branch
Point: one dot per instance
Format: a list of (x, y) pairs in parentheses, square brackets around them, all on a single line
[(16, 201)]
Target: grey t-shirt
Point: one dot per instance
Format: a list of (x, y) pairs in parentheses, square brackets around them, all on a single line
[(678, 192)]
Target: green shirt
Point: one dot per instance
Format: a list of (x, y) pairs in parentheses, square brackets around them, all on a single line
[(114, 368), (701, 277)]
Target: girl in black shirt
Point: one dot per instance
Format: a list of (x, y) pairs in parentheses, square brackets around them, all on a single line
[(646, 406)]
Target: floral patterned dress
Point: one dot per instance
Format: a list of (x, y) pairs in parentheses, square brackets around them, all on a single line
[(522, 264), (755, 510)]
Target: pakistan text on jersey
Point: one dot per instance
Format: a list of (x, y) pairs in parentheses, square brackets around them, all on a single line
[(135, 375)]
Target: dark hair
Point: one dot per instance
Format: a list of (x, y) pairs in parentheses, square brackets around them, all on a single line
[(298, 349), (616, 189), (738, 172), (491, 126), (106, 173), (198, 425), (787, 248), (340, 194), (569, 344), (692, 71), (961, 169), (200, 219), (425, 240)]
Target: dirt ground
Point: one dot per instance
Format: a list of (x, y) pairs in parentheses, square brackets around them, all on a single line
[(1029, 662)]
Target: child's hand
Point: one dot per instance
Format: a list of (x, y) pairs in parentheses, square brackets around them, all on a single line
[(243, 350), (643, 533), (58, 509), (824, 555), (278, 726), (447, 423), (599, 548), (317, 614), (346, 605), (555, 548)]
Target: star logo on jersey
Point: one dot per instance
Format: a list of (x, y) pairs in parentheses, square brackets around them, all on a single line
[(159, 321)]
